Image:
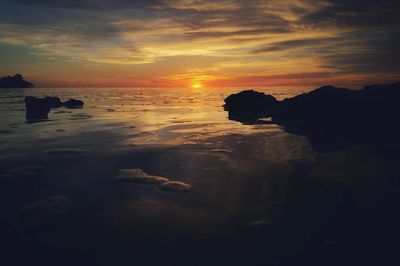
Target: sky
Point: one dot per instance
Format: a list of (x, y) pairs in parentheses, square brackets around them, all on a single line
[(194, 43)]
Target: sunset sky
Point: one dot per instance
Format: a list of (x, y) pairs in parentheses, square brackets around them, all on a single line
[(175, 43)]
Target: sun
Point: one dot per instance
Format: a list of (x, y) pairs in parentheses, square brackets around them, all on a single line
[(197, 85)]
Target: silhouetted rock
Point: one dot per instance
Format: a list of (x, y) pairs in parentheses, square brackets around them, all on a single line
[(39, 108), (53, 102), (324, 109), (16, 81), (72, 103), (330, 117), (248, 105), (36, 108)]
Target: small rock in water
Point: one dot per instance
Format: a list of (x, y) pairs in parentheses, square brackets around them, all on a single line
[(176, 186), (37, 109), (73, 103), (136, 175)]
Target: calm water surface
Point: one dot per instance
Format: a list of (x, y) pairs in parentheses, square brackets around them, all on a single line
[(141, 116), (259, 196)]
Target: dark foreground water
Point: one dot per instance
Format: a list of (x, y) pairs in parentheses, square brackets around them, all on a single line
[(259, 196)]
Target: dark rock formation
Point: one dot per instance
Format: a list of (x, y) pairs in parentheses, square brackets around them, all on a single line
[(247, 106), (330, 117), (38, 108), (16, 81), (53, 102), (72, 103)]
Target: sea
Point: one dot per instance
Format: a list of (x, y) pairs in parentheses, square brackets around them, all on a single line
[(243, 194)]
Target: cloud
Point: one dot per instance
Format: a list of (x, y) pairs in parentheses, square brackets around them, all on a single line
[(372, 52), (355, 13), (296, 44), (238, 38), (89, 4)]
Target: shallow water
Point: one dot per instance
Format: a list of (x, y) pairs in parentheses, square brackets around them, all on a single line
[(141, 116), (258, 195)]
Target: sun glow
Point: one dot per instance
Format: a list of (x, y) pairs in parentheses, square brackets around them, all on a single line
[(197, 85)]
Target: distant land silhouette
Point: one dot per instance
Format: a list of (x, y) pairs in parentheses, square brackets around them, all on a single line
[(330, 117), (16, 81)]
